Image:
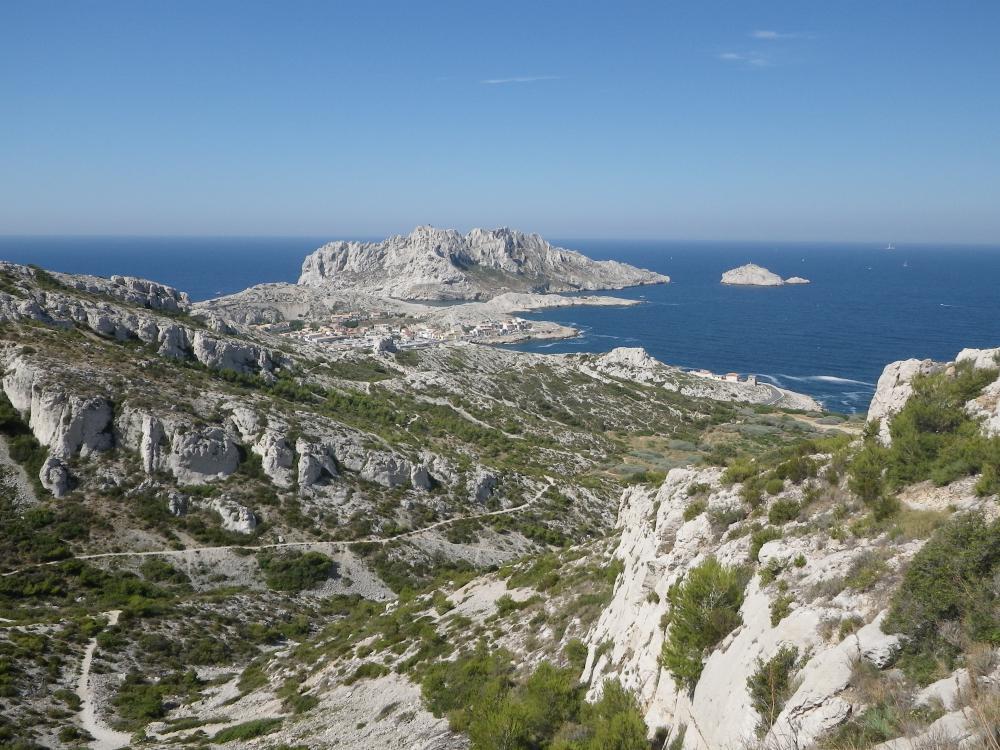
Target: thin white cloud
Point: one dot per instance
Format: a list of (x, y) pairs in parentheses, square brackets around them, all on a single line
[(519, 79), (771, 35), (753, 59)]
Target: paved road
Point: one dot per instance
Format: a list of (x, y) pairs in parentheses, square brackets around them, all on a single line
[(287, 545), (776, 394)]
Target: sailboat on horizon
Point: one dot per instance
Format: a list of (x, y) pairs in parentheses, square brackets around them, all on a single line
[(890, 246)]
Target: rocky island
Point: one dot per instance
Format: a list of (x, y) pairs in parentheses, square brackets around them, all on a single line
[(443, 264), (753, 275)]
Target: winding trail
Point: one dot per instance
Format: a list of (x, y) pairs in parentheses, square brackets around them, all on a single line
[(287, 545), (105, 738)]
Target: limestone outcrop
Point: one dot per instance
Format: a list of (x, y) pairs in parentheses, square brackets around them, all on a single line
[(636, 364), (436, 264), (895, 386), (69, 424), (893, 389), (659, 546), (130, 309)]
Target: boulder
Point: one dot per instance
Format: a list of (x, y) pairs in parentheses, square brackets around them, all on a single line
[(235, 517), (315, 464), (420, 478), (875, 647), (177, 503), (482, 485), (55, 476)]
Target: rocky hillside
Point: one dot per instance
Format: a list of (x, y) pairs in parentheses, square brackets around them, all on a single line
[(227, 491), (215, 536), (442, 264)]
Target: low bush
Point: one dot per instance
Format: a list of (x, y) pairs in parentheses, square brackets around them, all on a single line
[(774, 486), (694, 509), (480, 696), (704, 608), (949, 586), (761, 537), (771, 685), (783, 511), (297, 571), (248, 730)]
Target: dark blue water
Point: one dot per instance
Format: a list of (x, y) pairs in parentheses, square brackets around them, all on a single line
[(204, 267), (830, 339)]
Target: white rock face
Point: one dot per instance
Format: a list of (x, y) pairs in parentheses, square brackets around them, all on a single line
[(893, 390), (67, 423), (198, 455), (751, 275), (315, 464), (658, 548), (981, 359), (231, 355), (797, 280), (142, 321), (434, 263), (235, 517), (277, 458), (134, 291)]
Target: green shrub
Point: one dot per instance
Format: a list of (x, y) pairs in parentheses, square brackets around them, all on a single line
[(296, 571), (139, 701), (248, 730), (933, 437), (761, 537), (783, 511), (752, 491), (771, 685), (774, 485), (367, 671), (697, 488), (950, 580), (738, 470), (781, 607), (694, 509), (704, 608), (479, 695)]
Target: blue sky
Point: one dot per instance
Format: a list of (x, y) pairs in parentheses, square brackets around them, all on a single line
[(702, 120)]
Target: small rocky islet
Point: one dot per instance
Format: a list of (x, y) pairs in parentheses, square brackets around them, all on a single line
[(753, 275)]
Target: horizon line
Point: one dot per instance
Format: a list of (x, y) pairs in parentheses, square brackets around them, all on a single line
[(554, 236)]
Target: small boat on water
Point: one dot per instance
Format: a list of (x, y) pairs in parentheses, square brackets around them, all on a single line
[(890, 246)]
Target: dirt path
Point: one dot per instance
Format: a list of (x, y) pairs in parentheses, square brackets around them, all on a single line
[(288, 545), (105, 738)]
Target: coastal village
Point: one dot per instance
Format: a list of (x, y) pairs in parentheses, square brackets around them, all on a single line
[(378, 331)]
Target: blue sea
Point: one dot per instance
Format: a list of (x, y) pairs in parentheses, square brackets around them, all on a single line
[(866, 306)]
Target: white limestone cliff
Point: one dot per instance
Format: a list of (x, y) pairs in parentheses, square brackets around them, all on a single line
[(658, 547)]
